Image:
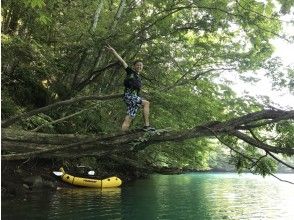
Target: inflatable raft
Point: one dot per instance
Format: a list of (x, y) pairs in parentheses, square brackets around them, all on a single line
[(87, 182)]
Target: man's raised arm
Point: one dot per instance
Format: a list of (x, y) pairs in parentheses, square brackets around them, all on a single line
[(111, 49)]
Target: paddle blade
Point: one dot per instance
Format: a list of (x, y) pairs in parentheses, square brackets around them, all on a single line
[(57, 173), (91, 173)]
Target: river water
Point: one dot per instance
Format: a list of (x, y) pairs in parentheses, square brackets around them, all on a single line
[(186, 196)]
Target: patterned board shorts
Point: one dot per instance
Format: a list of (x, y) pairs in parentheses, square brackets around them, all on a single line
[(133, 103)]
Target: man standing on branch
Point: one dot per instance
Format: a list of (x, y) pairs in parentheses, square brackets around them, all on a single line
[(132, 97)]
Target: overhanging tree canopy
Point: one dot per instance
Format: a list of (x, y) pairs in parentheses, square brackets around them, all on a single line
[(54, 51)]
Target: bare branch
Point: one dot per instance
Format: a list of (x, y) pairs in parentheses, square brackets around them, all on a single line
[(118, 14), (255, 163), (269, 153), (279, 160), (62, 119), (25, 115), (97, 14), (261, 145)]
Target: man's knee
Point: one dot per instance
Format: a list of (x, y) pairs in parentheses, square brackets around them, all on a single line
[(145, 103)]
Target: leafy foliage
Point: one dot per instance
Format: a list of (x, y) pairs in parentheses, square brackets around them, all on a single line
[(54, 50)]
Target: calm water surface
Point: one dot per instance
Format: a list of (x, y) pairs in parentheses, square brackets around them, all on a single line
[(186, 196)]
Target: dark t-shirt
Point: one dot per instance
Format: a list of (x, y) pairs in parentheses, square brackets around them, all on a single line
[(132, 81)]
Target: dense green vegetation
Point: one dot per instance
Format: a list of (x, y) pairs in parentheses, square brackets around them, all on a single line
[(54, 50)]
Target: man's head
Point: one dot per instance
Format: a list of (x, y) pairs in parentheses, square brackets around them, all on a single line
[(138, 66)]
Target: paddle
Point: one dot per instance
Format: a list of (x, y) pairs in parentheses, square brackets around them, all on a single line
[(58, 173), (91, 172)]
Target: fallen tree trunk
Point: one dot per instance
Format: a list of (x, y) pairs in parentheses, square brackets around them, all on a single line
[(18, 144)]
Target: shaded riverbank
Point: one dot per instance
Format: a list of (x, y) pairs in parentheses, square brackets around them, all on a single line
[(21, 178)]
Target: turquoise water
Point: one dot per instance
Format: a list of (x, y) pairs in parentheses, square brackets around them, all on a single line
[(187, 196)]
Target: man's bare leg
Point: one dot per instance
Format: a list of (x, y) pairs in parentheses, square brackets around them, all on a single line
[(146, 105), (126, 124)]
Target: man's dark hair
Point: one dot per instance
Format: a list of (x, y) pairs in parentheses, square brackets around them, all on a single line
[(137, 61)]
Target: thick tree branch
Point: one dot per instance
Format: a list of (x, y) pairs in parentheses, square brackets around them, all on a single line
[(261, 145), (133, 140), (266, 122), (255, 117)]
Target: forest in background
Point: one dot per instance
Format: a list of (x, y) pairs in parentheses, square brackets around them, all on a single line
[(53, 51)]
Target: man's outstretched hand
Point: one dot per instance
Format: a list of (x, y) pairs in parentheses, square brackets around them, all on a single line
[(112, 50), (109, 48)]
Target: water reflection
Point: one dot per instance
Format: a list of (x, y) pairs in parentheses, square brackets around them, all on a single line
[(178, 198), (219, 196), (187, 196), (86, 203), (248, 197)]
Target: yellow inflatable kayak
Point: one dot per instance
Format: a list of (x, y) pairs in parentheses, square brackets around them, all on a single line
[(87, 182)]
